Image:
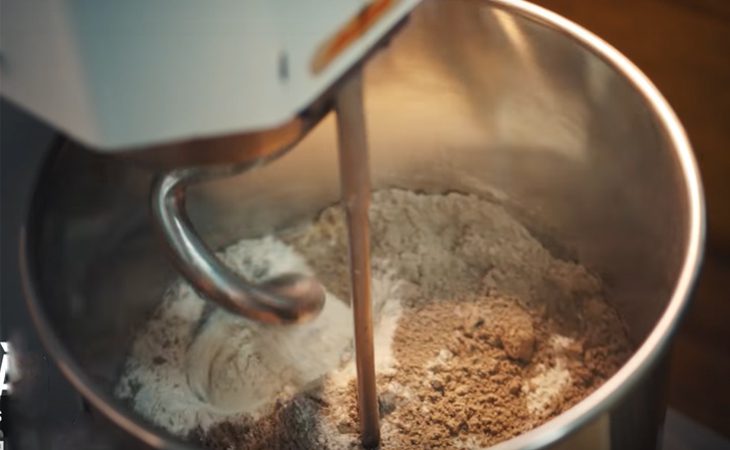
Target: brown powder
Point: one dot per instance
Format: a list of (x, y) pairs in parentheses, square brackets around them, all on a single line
[(467, 378), (289, 426)]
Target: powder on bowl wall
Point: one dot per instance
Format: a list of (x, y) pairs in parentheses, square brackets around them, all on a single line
[(481, 334)]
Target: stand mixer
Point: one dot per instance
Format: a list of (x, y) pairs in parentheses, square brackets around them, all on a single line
[(498, 99), (245, 82)]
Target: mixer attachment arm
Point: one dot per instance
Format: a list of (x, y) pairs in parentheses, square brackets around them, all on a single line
[(288, 298)]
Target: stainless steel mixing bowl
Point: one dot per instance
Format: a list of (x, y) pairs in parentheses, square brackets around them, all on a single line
[(502, 99)]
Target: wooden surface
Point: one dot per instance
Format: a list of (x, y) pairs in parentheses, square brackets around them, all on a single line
[(684, 47)]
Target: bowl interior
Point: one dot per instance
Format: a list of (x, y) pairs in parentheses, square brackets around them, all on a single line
[(466, 98)]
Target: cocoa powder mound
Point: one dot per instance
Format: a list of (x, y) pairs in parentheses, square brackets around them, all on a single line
[(466, 382), (288, 426)]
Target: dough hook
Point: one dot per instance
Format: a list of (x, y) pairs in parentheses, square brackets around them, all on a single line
[(288, 298)]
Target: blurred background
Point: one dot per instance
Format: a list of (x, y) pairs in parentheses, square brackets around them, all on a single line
[(684, 47)]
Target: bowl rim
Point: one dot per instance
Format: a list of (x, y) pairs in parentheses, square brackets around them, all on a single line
[(588, 409)]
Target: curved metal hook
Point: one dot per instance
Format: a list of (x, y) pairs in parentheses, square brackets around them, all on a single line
[(288, 298)]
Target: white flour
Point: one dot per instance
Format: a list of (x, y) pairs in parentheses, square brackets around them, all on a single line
[(545, 387), (188, 370)]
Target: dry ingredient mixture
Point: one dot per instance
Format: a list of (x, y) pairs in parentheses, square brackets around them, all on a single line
[(480, 335)]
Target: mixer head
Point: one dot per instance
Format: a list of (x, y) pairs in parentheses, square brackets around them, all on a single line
[(185, 85), (245, 77)]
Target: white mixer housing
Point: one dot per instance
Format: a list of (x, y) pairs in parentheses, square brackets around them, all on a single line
[(121, 74)]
